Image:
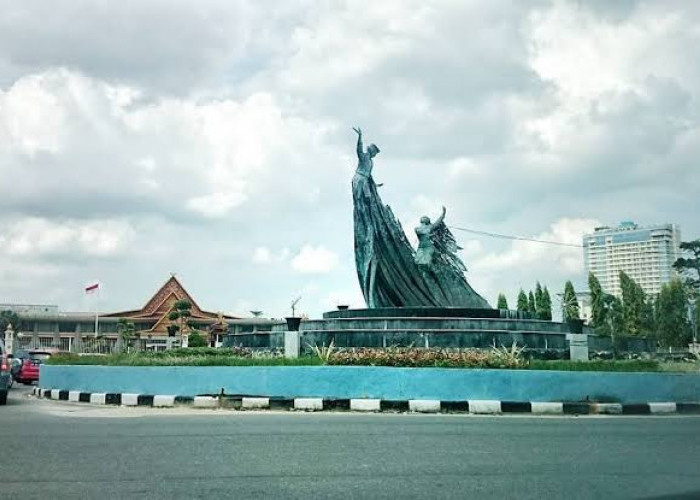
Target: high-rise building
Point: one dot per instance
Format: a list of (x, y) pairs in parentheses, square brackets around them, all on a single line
[(645, 254)]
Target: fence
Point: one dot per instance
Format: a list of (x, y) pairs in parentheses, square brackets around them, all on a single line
[(92, 345)]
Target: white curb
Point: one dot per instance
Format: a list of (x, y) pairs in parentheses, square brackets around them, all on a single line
[(42, 392), (74, 396), (662, 407), (205, 402), (255, 403), (159, 401), (365, 404), (308, 404), (130, 399), (484, 406), (609, 408), (424, 405), (98, 398), (547, 408), (54, 394)]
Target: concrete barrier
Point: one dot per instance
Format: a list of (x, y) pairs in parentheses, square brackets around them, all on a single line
[(308, 404), (130, 399), (547, 408), (205, 402), (424, 405), (387, 383), (163, 401), (255, 403), (484, 407), (365, 404), (98, 398)]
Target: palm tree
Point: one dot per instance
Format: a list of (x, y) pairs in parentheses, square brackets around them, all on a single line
[(126, 331)]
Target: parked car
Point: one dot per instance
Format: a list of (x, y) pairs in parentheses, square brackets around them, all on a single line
[(5, 374), (28, 371)]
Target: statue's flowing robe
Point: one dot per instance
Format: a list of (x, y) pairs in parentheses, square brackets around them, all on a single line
[(385, 260)]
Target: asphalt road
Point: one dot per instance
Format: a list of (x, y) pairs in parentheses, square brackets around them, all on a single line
[(63, 450)]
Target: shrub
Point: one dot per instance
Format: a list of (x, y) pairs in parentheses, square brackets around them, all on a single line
[(196, 340)]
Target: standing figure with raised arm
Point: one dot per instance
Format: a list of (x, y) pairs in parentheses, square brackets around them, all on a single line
[(391, 273)]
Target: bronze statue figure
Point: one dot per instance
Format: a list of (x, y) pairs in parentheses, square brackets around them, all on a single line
[(390, 272)]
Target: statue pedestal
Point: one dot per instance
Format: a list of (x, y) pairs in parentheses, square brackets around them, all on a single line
[(578, 346), (291, 344)]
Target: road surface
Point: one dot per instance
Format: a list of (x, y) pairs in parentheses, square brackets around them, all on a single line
[(57, 450)]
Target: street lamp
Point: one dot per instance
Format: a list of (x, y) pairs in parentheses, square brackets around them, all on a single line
[(9, 338), (693, 323)]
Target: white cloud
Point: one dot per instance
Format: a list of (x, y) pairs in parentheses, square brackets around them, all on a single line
[(262, 255), (38, 236), (348, 297), (314, 260), (215, 204), (522, 254), (236, 137)]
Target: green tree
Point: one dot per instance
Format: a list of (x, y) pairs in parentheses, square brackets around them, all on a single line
[(607, 316), (539, 302), (672, 326), (570, 307), (688, 266), (531, 305), (502, 302), (8, 317), (546, 307), (522, 300), (196, 340), (179, 315), (636, 309), (598, 308), (614, 318)]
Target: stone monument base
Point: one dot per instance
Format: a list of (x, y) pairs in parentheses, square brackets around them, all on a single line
[(434, 327)]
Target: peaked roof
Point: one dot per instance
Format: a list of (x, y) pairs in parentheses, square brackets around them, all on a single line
[(161, 302)]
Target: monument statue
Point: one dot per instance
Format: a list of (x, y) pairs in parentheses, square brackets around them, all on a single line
[(390, 271)]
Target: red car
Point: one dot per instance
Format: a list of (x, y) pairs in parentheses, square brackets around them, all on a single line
[(29, 369)]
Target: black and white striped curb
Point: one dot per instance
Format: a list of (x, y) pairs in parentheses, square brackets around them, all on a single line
[(479, 407)]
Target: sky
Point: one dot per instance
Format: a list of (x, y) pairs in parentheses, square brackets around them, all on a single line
[(213, 139)]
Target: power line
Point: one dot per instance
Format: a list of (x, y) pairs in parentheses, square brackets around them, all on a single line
[(519, 238)]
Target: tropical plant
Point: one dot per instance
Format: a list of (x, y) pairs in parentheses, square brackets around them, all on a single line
[(509, 357), (323, 353), (127, 331)]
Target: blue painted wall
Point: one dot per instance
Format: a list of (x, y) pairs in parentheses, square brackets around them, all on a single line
[(376, 382)]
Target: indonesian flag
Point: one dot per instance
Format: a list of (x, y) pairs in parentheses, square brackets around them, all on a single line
[(92, 288)]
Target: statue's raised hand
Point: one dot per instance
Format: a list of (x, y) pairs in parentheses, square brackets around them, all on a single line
[(358, 130)]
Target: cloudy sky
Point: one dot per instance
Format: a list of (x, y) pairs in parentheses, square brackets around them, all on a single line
[(213, 139)]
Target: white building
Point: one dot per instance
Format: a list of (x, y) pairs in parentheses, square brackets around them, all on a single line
[(645, 254)]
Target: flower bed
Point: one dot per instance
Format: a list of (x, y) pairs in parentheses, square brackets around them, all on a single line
[(504, 358)]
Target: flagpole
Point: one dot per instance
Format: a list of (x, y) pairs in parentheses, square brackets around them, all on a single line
[(97, 308)]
